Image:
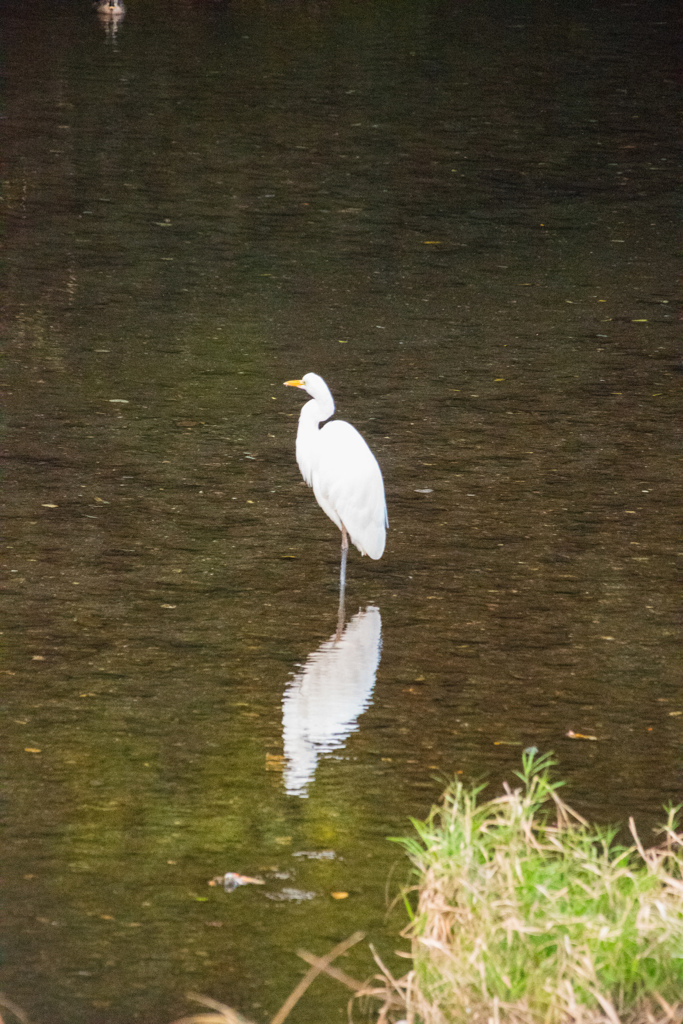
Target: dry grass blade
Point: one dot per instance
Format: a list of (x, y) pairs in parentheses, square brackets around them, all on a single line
[(383, 993), (363, 990), (395, 989), (390, 992), (334, 972), (670, 1011), (296, 995), (607, 1007), (223, 1014), (203, 1018), (13, 1008)]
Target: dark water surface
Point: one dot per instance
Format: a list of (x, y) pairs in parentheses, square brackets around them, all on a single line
[(462, 216)]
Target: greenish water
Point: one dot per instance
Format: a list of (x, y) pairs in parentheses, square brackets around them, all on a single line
[(461, 216)]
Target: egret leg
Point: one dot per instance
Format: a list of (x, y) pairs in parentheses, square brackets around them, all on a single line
[(340, 618), (342, 581), (344, 553)]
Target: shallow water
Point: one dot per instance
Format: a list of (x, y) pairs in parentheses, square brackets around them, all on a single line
[(462, 218)]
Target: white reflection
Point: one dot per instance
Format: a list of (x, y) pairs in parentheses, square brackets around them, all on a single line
[(323, 701), (110, 13)]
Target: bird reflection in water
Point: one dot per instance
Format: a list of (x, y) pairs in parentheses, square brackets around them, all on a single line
[(110, 14), (322, 703)]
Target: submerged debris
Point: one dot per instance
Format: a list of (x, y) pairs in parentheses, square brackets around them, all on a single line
[(316, 854), (231, 881), (296, 895)]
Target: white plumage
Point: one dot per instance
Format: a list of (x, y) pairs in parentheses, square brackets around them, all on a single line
[(322, 703), (346, 479)]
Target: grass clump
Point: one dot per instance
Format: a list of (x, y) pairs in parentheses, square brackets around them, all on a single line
[(527, 914)]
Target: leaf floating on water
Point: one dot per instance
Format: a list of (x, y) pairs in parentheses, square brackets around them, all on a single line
[(580, 736), (275, 762), (33, 750), (339, 895)]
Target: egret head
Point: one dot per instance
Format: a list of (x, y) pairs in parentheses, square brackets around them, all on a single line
[(313, 384)]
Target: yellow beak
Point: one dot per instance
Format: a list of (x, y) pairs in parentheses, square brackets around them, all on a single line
[(294, 383)]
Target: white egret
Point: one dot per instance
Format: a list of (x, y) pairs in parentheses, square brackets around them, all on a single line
[(346, 479)]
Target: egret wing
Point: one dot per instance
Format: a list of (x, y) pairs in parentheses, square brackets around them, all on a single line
[(348, 485)]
